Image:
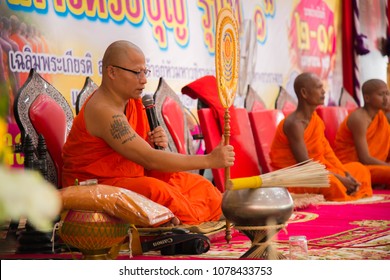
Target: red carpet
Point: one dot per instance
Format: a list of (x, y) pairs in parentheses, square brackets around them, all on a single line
[(354, 230)]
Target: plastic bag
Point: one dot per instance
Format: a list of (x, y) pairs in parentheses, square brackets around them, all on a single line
[(124, 204)]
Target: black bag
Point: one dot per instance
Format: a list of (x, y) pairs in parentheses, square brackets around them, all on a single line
[(178, 242)]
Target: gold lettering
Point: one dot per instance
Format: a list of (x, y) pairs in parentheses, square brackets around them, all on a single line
[(303, 33)]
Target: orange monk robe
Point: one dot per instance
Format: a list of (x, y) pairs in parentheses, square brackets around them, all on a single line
[(8, 85), (378, 140), (191, 197), (319, 149)]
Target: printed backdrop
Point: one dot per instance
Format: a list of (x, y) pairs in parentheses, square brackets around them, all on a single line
[(67, 39), (64, 40)]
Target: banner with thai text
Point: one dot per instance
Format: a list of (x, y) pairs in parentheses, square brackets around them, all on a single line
[(64, 40)]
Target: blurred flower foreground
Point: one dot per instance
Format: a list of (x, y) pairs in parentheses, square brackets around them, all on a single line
[(25, 193)]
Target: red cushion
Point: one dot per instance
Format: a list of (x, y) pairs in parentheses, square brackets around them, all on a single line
[(246, 163), (351, 106), (264, 124), (258, 106), (173, 118), (288, 108), (285, 102), (206, 89), (49, 119), (347, 101), (332, 116)]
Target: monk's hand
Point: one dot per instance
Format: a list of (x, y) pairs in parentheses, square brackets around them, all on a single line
[(222, 156), (158, 137), (351, 184)]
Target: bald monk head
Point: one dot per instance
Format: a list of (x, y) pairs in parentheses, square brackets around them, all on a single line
[(120, 51), (375, 94), (124, 71), (122, 54), (309, 89)]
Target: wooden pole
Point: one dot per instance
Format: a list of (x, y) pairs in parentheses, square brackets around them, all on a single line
[(227, 58), (228, 235)]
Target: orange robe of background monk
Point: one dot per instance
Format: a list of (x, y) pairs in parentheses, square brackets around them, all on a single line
[(319, 149), (191, 197), (378, 140)]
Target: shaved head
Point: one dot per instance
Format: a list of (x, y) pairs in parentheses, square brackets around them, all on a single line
[(372, 85), (118, 52), (303, 80)]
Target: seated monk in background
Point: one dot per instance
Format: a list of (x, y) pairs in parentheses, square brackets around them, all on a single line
[(110, 141), (300, 136), (364, 135)]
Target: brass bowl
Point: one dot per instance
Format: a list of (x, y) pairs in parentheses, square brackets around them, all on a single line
[(260, 214), (93, 233), (257, 207)]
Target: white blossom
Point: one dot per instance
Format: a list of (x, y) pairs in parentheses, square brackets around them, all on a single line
[(26, 194)]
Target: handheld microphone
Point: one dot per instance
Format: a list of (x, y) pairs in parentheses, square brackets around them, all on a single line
[(148, 102)]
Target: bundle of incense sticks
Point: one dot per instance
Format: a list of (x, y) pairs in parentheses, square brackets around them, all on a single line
[(305, 174)]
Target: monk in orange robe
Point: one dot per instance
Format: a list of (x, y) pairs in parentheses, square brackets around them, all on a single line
[(364, 135), (110, 141), (300, 136), (18, 36)]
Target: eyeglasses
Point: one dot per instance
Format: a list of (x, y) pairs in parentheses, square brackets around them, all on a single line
[(146, 72)]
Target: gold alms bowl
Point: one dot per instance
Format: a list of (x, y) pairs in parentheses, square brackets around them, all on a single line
[(93, 233)]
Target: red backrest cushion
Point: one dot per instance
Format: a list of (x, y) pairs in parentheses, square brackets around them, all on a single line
[(347, 101), (173, 118), (285, 102), (206, 90), (351, 106), (288, 108), (246, 162), (332, 116), (49, 119), (258, 106), (264, 124)]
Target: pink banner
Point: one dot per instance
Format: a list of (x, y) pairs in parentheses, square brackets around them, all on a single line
[(312, 37)]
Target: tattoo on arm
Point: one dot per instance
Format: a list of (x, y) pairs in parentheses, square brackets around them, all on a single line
[(120, 129)]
